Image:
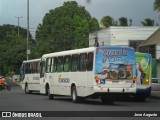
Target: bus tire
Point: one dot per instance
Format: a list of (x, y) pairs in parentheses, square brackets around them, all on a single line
[(27, 91), (46, 89), (50, 96), (107, 99), (74, 96)]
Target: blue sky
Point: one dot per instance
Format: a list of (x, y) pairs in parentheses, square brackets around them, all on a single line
[(137, 10)]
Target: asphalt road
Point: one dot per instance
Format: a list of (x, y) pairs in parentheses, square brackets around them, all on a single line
[(17, 100)]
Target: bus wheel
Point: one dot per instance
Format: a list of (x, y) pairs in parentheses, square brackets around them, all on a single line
[(27, 91), (75, 98), (51, 96), (107, 99)]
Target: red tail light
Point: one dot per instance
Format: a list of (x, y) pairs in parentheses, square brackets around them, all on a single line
[(134, 79), (96, 79)]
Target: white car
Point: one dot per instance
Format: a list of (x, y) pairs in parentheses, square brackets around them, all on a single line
[(155, 84)]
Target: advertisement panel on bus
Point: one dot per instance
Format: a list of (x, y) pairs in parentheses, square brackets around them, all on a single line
[(115, 64), (143, 72)]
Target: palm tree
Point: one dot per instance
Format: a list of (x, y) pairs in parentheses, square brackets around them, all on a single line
[(123, 21), (107, 21), (156, 5), (148, 22)]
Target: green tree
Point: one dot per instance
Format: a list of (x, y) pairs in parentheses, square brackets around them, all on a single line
[(156, 5), (94, 25), (64, 28), (123, 21), (147, 22), (11, 29), (107, 21), (12, 48)]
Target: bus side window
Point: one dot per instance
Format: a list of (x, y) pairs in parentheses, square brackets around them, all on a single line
[(38, 67), (34, 67), (26, 68), (83, 61), (60, 64), (48, 65), (90, 61), (55, 62), (51, 68), (75, 63), (29, 68), (67, 63)]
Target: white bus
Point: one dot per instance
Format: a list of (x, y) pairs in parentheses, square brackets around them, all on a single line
[(30, 75), (90, 72)]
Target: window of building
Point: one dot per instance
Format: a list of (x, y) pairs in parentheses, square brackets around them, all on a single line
[(151, 49)]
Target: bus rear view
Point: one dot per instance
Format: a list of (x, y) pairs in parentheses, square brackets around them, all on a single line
[(115, 71)]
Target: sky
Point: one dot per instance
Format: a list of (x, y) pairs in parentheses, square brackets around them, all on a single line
[(137, 10)]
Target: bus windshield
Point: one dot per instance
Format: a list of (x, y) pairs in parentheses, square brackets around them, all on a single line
[(115, 63)]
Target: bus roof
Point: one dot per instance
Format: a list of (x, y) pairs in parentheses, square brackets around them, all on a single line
[(68, 52), (83, 50), (33, 60)]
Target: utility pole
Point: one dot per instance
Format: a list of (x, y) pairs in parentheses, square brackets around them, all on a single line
[(27, 27), (18, 23), (96, 38)]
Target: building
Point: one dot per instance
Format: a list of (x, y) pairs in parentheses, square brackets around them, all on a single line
[(154, 39), (124, 36), (133, 37)]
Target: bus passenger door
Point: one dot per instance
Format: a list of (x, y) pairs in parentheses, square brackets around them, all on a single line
[(42, 77)]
